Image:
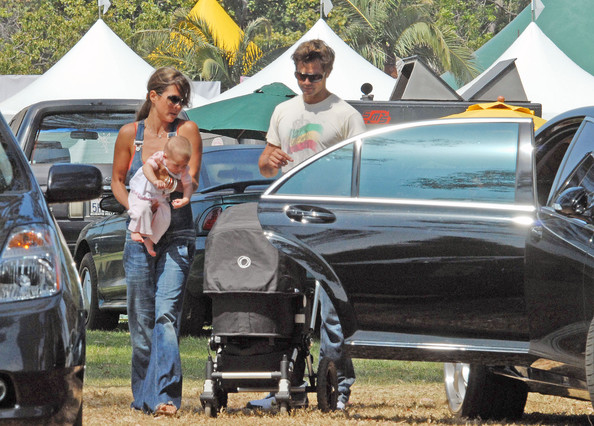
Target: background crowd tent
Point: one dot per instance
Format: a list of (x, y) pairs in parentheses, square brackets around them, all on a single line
[(349, 73), (100, 65), (568, 24), (13, 83), (551, 50), (548, 75)]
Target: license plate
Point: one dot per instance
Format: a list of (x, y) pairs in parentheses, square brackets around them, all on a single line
[(95, 210)]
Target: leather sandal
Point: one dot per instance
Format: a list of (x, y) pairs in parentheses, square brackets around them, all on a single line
[(166, 410)]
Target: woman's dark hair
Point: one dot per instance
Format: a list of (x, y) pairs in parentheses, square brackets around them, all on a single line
[(309, 51), (159, 81)]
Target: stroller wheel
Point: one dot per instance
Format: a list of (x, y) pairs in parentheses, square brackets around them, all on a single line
[(284, 408), (209, 410), (222, 399), (327, 386)]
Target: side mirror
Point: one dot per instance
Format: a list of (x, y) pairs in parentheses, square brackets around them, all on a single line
[(73, 182), (573, 201), (111, 204)]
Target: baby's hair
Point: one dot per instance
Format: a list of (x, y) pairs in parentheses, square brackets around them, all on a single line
[(179, 145)]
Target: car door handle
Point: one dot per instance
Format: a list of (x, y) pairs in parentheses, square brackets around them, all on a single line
[(536, 233), (309, 214)]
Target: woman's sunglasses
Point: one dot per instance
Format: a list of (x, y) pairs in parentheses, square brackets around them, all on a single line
[(176, 100), (313, 78)]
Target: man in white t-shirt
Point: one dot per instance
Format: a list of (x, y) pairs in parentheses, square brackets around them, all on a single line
[(307, 124), (299, 128)]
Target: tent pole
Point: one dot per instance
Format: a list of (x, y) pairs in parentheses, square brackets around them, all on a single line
[(321, 9), (532, 9)]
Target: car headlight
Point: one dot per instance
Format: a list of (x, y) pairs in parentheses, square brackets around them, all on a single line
[(29, 264)]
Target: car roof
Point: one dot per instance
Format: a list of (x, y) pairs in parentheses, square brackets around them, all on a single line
[(94, 101), (587, 111), (232, 147)]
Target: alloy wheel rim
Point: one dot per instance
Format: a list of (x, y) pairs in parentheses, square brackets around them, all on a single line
[(456, 383), (86, 289)]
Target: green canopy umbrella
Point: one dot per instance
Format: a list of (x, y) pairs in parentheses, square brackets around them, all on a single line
[(246, 116)]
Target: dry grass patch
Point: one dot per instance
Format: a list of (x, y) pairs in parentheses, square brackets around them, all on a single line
[(386, 392), (401, 403)]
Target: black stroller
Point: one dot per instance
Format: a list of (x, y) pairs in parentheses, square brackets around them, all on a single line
[(263, 317)]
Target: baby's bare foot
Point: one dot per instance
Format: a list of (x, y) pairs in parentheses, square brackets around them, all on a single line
[(148, 243)]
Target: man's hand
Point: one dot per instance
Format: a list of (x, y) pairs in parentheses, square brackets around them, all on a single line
[(272, 159), (278, 158)]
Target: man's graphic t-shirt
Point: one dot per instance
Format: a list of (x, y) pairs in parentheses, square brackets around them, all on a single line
[(307, 129)]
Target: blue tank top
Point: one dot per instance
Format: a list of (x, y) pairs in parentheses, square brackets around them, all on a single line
[(181, 219)]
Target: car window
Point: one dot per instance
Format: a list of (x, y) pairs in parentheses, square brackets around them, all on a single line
[(229, 165), (461, 161), (329, 175), (583, 176), (78, 138), (12, 177), (580, 146)]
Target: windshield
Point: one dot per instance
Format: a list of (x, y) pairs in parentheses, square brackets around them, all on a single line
[(87, 138)]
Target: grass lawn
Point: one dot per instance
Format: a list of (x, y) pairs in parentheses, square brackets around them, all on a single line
[(386, 392), (108, 363)]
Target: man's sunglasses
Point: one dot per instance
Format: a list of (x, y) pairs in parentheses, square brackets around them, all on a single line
[(176, 100), (313, 78)]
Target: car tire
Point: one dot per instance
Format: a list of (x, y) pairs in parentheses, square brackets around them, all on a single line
[(590, 361), (96, 318), (473, 391)]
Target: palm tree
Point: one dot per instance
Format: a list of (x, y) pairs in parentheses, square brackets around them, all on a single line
[(384, 31), (200, 50)]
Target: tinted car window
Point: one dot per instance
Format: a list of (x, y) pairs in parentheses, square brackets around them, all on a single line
[(577, 150), (466, 161), (78, 138), (582, 176), (329, 175), (226, 166), (12, 177)]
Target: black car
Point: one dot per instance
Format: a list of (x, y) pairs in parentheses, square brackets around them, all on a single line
[(78, 131), (229, 175), (42, 316), (465, 241)]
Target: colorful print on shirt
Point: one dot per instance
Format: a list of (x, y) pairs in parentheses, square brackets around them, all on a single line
[(305, 137)]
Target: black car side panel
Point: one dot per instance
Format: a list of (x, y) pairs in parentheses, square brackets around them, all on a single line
[(555, 256), (447, 271)]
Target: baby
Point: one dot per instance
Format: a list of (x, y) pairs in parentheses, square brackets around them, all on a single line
[(150, 187)]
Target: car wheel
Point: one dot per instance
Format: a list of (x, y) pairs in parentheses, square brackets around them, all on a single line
[(96, 318), (194, 313), (473, 391), (590, 361)]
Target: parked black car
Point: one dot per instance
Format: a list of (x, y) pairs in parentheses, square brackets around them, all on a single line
[(465, 241), (79, 131), (42, 316), (229, 175)]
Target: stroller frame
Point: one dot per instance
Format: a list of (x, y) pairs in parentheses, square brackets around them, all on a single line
[(281, 382)]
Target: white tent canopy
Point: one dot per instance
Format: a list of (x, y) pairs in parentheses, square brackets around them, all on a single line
[(100, 65), (349, 72), (548, 75)]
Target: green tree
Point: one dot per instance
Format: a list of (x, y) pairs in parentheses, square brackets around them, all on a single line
[(190, 46), (384, 31), (477, 21), (35, 34)]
